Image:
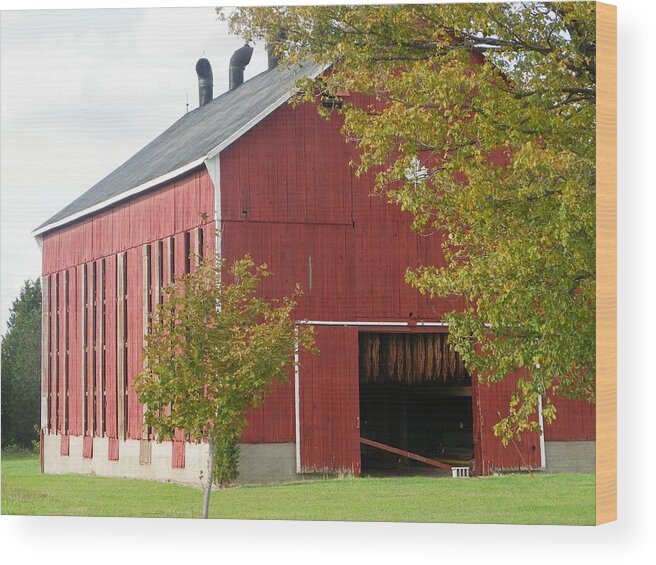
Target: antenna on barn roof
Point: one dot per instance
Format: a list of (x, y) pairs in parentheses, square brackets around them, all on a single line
[(187, 101)]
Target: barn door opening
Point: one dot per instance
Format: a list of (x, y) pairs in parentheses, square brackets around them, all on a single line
[(415, 396)]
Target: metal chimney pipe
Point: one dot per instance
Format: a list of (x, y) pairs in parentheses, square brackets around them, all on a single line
[(238, 62), (205, 82), (272, 60)]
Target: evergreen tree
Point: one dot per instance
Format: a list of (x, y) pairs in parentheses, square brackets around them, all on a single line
[(21, 368)]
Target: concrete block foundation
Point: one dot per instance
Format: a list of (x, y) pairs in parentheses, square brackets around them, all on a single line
[(259, 463), (570, 456)]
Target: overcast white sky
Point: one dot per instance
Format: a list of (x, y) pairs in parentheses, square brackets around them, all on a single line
[(81, 92)]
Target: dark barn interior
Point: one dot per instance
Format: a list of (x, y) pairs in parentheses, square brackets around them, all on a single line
[(415, 395)]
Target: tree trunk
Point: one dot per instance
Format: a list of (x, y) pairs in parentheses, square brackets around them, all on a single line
[(208, 486)]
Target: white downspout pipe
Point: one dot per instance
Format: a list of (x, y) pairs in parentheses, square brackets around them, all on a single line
[(543, 453), (297, 403)]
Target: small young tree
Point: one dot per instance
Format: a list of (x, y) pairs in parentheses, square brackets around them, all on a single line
[(214, 349)]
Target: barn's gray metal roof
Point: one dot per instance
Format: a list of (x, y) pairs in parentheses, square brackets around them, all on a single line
[(188, 141)]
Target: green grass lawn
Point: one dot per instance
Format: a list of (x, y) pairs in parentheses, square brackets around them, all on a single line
[(512, 499)]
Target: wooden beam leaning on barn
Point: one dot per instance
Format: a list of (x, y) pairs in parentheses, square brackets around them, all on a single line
[(404, 453)]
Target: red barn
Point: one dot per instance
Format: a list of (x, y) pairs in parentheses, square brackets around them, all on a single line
[(276, 183)]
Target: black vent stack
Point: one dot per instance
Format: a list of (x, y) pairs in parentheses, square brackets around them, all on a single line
[(205, 82), (238, 62), (272, 60)]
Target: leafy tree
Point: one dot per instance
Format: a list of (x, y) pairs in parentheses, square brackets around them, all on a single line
[(481, 122), (21, 368), (214, 349)]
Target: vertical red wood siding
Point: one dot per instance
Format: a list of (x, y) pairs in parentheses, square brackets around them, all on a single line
[(299, 207), (54, 378), (490, 406), (156, 215), (111, 369), (87, 447), (74, 399), (65, 444), (99, 359), (113, 449), (135, 339), (182, 247), (61, 420), (329, 402), (575, 420), (290, 199), (90, 354), (64, 369), (178, 450)]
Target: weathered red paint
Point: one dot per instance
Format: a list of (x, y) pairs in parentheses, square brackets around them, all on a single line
[(87, 447), (135, 339), (52, 373), (157, 214), (74, 355), (575, 420), (99, 360), (329, 403), (290, 199), (112, 449), (65, 444), (318, 225), (61, 370), (178, 450), (287, 203), (149, 218), (111, 424), (490, 406), (90, 354)]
